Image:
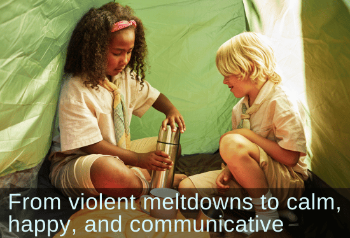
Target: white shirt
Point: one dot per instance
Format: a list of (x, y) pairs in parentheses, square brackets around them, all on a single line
[(278, 119), (86, 114)]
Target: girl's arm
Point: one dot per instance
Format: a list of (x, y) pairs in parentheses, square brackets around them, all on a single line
[(173, 116), (286, 157), (155, 160)]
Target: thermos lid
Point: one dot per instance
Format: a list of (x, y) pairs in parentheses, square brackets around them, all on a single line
[(168, 136)]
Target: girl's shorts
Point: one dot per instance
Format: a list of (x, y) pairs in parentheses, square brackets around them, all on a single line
[(71, 175), (283, 182)]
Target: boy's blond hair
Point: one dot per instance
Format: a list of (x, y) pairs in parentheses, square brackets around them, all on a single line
[(247, 54)]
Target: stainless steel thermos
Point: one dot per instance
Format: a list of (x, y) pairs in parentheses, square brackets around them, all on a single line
[(168, 141)]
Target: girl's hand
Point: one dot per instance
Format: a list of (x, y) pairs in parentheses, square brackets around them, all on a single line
[(222, 180), (155, 160), (173, 117)]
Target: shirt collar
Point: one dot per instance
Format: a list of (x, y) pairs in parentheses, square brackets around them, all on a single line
[(266, 89)]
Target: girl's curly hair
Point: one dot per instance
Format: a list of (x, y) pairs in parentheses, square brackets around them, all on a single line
[(88, 46)]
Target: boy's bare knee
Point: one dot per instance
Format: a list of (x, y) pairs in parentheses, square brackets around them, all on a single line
[(231, 145), (186, 183), (187, 188), (232, 141), (235, 150)]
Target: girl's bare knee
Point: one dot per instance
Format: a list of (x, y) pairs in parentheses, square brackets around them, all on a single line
[(110, 172)]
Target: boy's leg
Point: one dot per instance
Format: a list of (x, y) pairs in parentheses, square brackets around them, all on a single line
[(195, 187), (243, 159), (204, 186), (200, 185)]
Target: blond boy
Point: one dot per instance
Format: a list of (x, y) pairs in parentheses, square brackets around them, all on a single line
[(265, 150)]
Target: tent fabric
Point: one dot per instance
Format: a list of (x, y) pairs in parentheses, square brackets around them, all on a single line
[(33, 41), (311, 38), (326, 41), (312, 45), (182, 37)]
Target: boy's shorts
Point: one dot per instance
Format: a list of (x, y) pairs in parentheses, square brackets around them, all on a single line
[(282, 181), (71, 175)]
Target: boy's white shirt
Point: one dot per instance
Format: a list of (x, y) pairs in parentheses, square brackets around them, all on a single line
[(86, 114), (278, 119)]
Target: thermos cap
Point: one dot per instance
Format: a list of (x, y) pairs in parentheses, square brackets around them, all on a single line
[(168, 136)]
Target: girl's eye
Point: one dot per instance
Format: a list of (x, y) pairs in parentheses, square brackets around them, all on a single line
[(116, 54)]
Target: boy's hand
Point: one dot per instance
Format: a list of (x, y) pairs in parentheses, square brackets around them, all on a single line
[(173, 117), (155, 160), (223, 179)]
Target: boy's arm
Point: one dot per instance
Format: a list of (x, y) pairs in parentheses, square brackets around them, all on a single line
[(173, 116), (286, 157)]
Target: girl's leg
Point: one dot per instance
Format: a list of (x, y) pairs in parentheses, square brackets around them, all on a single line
[(112, 177)]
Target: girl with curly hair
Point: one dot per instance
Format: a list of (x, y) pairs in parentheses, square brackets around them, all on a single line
[(105, 68)]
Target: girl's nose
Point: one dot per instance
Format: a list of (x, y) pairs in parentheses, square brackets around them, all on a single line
[(125, 58)]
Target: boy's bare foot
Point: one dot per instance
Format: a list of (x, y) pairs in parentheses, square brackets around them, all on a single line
[(177, 179)]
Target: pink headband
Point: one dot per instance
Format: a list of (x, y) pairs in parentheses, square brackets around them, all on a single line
[(123, 24)]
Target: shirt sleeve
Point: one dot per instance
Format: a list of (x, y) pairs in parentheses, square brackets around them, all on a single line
[(289, 129), (146, 95), (78, 125)]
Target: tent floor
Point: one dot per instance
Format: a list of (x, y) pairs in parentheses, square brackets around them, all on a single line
[(323, 222)]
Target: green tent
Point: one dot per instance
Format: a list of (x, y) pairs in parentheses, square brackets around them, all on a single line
[(182, 36), (312, 47), (311, 40)]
